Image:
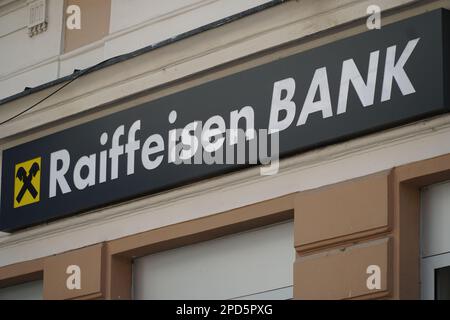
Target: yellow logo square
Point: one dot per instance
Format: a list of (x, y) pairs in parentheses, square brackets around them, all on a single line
[(27, 182)]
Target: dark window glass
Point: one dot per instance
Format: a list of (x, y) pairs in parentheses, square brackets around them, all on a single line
[(442, 283)]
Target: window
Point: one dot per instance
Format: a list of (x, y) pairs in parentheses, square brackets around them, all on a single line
[(442, 283), (26, 291), (435, 241), (256, 264)]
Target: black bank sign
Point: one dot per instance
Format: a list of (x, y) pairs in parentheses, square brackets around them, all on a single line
[(368, 82)]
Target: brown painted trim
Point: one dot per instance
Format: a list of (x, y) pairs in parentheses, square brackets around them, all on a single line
[(94, 296), (404, 225), (425, 172), (91, 261), (383, 295), (404, 199), (21, 272), (119, 278), (340, 273), (408, 236), (117, 266), (206, 228), (122, 251), (95, 22), (344, 241), (409, 179), (325, 207)]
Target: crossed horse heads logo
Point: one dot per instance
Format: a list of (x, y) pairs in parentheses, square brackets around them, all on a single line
[(27, 182)]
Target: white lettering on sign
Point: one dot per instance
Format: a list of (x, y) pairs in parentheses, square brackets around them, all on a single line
[(210, 137), (393, 70), (73, 281), (57, 176), (396, 70)]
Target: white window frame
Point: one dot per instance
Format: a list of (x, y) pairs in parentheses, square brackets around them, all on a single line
[(429, 265), (439, 256)]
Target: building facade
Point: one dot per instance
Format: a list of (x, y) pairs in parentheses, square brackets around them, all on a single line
[(359, 206)]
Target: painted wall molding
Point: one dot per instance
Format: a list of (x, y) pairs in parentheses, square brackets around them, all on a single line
[(179, 11), (37, 17), (8, 6)]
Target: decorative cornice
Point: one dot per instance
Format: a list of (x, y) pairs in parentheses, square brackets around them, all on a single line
[(38, 28), (37, 17)]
